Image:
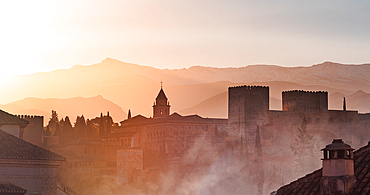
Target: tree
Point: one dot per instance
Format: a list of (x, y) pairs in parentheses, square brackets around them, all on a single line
[(67, 132), (303, 149), (53, 121), (58, 130), (101, 126), (109, 123), (47, 131), (80, 127)]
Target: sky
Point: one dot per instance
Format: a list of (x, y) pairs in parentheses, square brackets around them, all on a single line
[(45, 35)]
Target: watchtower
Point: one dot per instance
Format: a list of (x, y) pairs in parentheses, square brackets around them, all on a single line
[(301, 101), (248, 108)]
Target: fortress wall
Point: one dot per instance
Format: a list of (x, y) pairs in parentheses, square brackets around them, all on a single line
[(299, 100), (248, 108), (33, 133)]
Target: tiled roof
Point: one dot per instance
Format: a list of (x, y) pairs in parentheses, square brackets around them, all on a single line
[(12, 147), (310, 184), (9, 188), (140, 120), (9, 119), (161, 95)]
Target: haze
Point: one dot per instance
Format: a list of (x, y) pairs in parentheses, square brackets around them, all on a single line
[(183, 97), (41, 36)]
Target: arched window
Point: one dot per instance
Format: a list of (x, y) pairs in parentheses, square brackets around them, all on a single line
[(331, 120), (317, 120), (309, 120)]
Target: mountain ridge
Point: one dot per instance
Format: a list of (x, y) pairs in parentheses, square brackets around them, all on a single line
[(135, 87)]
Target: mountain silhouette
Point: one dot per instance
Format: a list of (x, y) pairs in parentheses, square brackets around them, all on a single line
[(135, 87)]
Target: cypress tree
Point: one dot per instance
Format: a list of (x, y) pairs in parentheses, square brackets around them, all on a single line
[(101, 126), (67, 132), (58, 131)]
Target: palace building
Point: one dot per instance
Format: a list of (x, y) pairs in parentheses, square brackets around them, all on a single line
[(164, 137)]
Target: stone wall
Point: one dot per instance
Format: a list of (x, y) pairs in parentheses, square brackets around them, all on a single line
[(36, 178), (33, 133), (248, 108), (299, 100)]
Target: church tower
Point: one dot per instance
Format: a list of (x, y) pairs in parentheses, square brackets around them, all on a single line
[(161, 106)]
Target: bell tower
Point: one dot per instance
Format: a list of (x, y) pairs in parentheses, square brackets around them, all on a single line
[(161, 106)]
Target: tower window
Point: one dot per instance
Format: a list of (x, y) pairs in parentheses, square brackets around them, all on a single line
[(161, 111)]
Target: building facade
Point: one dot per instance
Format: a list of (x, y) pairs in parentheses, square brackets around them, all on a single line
[(164, 138)]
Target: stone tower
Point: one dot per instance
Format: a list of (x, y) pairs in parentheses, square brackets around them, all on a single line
[(302, 101), (248, 108), (161, 106)]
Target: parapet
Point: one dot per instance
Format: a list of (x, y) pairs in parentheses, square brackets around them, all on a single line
[(302, 91), (300, 100), (29, 116), (249, 87)]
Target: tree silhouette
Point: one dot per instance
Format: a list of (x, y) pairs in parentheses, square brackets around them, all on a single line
[(53, 121), (47, 131), (67, 132), (80, 127), (108, 123), (101, 126), (303, 150), (58, 130)]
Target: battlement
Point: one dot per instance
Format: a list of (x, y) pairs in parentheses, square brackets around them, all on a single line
[(300, 100), (249, 87), (302, 91), (29, 116)]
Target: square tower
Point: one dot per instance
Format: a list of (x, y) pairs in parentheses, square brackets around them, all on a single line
[(248, 108)]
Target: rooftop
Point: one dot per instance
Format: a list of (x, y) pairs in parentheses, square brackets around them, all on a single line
[(9, 119), (161, 95), (310, 184), (9, 188), (12, 147)]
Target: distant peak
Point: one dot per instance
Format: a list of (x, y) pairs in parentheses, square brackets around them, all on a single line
[(359, 93), (109, 59), (327, 63)]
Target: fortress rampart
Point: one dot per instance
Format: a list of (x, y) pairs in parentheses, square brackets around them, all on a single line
[(248, 108), (299, 100), (34, 131)]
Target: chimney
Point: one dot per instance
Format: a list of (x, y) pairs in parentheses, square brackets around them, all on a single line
[(338, 175)]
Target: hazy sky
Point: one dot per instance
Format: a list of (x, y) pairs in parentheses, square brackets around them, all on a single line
[(47, 35)]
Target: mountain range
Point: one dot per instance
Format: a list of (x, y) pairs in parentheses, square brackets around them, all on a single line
[(190, 90)]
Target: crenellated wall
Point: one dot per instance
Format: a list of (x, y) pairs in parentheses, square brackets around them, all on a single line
[(248, 108), (34, 131), (299, 100)]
